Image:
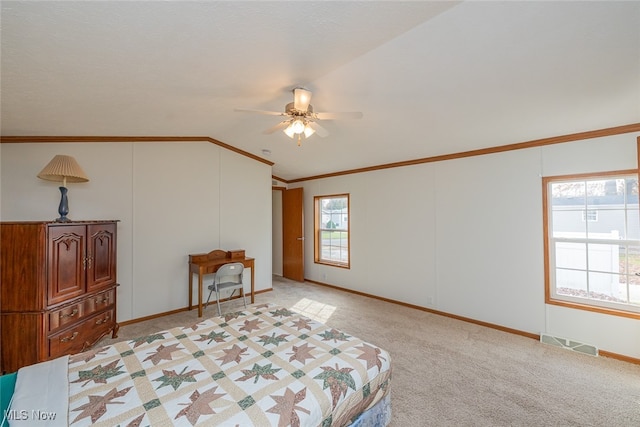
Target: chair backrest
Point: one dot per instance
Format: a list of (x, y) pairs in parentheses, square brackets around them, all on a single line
[(233, 269)]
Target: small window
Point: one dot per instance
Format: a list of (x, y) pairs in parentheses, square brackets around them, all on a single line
[(590, 215), (593, 242), (332, 230)]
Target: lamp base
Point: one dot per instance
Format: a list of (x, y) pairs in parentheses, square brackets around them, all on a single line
[(63, 209)]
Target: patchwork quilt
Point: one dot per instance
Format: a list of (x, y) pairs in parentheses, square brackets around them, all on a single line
[(264, 366)]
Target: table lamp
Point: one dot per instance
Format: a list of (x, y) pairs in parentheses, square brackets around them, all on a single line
[(62, 169)]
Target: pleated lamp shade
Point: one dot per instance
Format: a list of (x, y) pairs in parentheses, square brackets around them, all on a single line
[(63, 168)]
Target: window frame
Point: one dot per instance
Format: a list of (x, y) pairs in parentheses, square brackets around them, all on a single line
[(318, 229), (551, 296)]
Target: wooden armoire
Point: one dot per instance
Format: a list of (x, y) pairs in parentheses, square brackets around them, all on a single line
[(57, 289)]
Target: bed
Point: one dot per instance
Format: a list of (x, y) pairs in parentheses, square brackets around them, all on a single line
[(264, 366)]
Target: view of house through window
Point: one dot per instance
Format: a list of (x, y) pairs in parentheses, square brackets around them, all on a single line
[(593, 241), (332, 230)]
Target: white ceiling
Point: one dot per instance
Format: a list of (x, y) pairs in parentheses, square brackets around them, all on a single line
[(431, 78)]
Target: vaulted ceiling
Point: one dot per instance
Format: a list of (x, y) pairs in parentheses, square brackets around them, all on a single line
[(431, 78)]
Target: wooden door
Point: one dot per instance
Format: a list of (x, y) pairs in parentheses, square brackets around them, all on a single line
[(66, 262), (101, 256), (293, 234)]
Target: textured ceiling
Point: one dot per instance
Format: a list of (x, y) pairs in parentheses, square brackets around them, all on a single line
[(431, 78)]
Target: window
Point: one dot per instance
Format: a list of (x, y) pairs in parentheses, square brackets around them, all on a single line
[(332, 230), (590, 215), (593, 242)]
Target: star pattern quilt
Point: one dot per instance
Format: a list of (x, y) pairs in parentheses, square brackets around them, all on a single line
[(264, 366)]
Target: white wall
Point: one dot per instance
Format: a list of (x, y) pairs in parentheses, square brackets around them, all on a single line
[(465, 237), (171, 200)]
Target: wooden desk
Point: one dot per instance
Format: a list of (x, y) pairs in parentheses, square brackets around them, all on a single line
[(202, 264)]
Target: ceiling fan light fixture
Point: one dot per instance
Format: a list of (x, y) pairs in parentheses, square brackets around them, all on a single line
[(300, 117), (298, 126), (301, 99), (289, 131), (308, 131)]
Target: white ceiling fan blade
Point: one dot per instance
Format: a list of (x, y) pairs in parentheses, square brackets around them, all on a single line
[(301, 99), (249, 110), (338, 116), (277, 127), (322, 132)]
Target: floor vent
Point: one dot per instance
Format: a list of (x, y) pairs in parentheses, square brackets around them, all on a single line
[(569, 345)]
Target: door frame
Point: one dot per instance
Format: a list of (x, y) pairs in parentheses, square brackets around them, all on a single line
[(292, 268)]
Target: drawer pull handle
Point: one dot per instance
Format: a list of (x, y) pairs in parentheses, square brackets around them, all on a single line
[(101, 321), (102, 301), (73, 313), (69, 338)]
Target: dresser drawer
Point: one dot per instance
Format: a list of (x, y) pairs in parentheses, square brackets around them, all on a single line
[(83, 335), (86, 307), (66, 316), (99, 302)]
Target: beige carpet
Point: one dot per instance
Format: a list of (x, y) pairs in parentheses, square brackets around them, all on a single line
[(452, 373)]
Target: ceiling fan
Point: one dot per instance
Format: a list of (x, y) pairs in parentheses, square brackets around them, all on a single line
[(301, 120)]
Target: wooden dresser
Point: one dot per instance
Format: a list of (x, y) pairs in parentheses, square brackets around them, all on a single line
[(57, 289)]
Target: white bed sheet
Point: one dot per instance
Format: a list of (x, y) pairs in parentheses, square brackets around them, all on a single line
[(41, 395)]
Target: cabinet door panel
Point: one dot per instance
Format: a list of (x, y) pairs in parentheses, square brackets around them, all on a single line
[(101, 268), (66, 262)]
